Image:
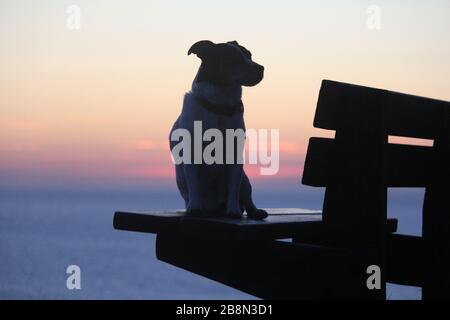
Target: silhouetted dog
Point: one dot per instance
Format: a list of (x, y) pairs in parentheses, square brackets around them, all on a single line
[(215, 100)]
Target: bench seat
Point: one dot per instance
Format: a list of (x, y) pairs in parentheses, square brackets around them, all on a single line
[(282, 223)]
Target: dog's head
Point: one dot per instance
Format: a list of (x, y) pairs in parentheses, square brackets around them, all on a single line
[(226, 64)]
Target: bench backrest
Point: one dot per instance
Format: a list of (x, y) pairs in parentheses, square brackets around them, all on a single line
[(359, 164)]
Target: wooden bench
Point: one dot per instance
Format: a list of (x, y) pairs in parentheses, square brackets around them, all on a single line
[(330, 252)]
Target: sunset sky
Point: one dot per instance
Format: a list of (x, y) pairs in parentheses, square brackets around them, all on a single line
[(94, 106)]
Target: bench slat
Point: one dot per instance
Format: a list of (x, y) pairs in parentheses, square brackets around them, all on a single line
[(407, 165), (340, 106), (281, 224), (149, 222)]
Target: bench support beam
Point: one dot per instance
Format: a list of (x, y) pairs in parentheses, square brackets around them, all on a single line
[(273, 269)]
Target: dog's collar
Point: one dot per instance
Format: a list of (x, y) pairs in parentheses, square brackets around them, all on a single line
[(226, 110)]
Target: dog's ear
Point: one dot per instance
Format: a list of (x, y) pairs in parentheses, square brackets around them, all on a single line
[(203, 49)]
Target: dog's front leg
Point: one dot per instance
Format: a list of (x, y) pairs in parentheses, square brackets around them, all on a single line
[(234, 172), (194, 205)]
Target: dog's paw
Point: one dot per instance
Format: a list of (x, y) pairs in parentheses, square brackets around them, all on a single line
[(258, 214), (234, 213), (194, 212), (194, 209)]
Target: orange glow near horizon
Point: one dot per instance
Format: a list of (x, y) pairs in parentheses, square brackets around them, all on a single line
[(100, 101)]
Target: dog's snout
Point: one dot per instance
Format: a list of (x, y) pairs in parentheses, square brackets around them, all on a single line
[(254, 75), (260, 70)]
